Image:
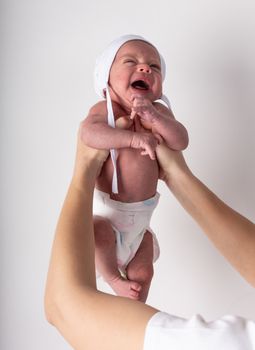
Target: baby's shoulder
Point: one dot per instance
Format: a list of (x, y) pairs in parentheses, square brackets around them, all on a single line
[(100, 108), (98, 112), (163, 109)]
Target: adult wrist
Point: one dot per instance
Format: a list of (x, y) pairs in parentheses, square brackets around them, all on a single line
[(177, 176), (86, 172), (83, 181)]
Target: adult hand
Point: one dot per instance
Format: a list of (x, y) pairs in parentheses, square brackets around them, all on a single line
[(89, 160), (171, 163)]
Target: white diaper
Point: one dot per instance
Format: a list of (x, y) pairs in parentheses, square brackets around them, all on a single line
[(129, 222)]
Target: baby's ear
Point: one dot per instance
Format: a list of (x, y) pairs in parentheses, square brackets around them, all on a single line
[(123, 122)]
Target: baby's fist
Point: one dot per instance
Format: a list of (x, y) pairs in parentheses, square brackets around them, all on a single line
[(144, 108)]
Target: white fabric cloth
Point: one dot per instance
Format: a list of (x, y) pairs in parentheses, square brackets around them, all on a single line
[(129, 222), (167, 332)]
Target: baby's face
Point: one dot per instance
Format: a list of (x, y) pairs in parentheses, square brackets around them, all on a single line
[(136, 70)]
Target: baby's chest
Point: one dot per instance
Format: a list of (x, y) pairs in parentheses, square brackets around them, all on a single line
[(135, 171), (130, 162), (137, 176)]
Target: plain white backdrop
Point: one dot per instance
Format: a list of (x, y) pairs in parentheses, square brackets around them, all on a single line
[(48, 50)]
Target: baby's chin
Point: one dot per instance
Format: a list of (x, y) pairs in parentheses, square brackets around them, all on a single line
[(143, 92), (145, 95)]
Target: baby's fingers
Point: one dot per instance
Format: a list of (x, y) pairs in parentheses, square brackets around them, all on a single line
[(149, 151), (133, 114)]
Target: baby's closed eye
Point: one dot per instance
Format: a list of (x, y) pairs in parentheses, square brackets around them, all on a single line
[(129, 62)]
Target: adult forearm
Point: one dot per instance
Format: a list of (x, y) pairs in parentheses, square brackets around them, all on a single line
[(231, 233), (74, 233), (72, 259)]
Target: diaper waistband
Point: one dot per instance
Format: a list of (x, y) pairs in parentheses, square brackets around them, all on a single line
[(145, 205)]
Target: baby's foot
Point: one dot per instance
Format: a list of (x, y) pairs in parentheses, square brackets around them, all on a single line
[(125, 288)]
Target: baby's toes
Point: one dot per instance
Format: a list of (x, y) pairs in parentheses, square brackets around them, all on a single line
[(135, 286)]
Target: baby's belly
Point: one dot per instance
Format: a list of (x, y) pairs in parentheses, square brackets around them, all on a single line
[(137, 176)]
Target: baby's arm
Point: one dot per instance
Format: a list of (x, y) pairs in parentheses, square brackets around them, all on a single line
[(98, 134), (162, 122)]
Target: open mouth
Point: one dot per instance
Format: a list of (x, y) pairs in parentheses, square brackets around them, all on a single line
[(140, 85)]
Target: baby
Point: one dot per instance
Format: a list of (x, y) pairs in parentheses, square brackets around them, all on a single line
[(131, 123)]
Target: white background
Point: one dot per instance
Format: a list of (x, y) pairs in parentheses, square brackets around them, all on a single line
[(48, 50)]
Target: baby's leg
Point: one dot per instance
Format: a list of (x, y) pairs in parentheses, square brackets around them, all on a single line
[(140, 268), (106, 260)]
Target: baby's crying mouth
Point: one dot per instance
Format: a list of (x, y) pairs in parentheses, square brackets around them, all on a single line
[(140, 85)]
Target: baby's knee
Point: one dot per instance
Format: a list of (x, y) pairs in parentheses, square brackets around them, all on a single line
[(103, 231), (142, 273), (145, 273)]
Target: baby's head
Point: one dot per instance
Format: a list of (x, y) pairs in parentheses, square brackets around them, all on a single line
[(136, 70), (130, 65), (112, 81)]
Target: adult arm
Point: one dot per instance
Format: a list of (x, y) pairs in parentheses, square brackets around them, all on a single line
[(87, 318), (231, 233)]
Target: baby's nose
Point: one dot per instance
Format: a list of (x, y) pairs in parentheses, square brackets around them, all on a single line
[(144, 68)]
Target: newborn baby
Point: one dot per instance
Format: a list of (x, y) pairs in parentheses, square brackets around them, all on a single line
[(130, 121)]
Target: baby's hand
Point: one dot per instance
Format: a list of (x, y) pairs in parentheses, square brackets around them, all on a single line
[(147, 142), (143, 108)]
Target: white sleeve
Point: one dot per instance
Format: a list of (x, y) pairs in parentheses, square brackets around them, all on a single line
[(167, 332)]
